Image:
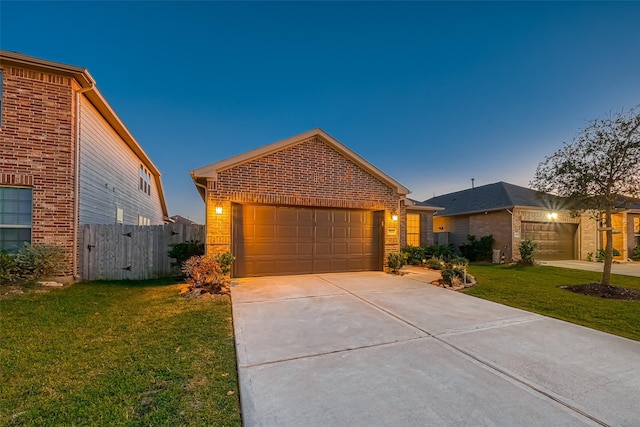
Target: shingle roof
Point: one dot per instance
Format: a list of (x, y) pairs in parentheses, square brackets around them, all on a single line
[(491, 197)]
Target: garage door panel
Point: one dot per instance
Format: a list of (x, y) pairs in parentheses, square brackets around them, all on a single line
[(271, 240), (555, 240)]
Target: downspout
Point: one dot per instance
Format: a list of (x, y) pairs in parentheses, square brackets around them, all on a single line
[(76, 184), (512, 234)]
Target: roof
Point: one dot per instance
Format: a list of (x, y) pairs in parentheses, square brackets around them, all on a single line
[(179, 219), (492, 197), (414, 205), (210, 171), (93, 95)]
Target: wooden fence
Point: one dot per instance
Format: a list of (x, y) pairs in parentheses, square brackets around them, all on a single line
[(118, 252)]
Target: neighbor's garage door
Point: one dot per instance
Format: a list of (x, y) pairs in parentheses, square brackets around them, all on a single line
[(279, 240), (555, 240)]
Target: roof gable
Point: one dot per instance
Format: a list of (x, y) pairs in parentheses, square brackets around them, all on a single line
[(211, 171), (491, 197)]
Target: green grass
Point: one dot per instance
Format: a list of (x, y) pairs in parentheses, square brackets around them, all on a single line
[(537, 289), (117, 353)]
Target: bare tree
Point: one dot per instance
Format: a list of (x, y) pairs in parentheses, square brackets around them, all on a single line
[(599, 171)]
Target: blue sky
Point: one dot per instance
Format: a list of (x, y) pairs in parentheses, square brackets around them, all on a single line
[(432, 93)]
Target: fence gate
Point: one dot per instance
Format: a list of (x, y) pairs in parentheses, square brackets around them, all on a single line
[(119, 252)]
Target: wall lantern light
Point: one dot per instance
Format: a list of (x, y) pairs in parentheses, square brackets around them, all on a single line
[(218, 210), (552, 216), (394, 217)]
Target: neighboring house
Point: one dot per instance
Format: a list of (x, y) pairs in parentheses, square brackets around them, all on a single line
[(66, 159), (626, 231), (306, 204), (511, 214), (179, 219)]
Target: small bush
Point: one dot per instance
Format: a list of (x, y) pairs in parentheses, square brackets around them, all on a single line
[(183, 251), (601, 254), (435, 263), (444, 252), (396, 261), (477, 250), (201, 271), (636, 253), (527, 252), (415, 254), (225, 260), (8, 268), (38, 260)]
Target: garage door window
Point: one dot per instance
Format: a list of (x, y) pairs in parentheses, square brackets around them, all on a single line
[(15, 218)]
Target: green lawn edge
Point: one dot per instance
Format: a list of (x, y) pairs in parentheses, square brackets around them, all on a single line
[(538, 289)]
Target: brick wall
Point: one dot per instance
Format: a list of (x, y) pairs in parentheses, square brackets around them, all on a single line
[(37, 150), (309, 173), (497, 224)]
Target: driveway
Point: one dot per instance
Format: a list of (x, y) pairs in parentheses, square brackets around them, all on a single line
[(364, 349)]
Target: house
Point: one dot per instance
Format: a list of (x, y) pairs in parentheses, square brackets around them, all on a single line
[(66, 159), (511, 214), (306, 204), (626, 230), (179, 219)]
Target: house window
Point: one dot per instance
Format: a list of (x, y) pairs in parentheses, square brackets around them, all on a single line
[(413, 229), (119, 216), (15, 218), (143, 220), (145, 180)]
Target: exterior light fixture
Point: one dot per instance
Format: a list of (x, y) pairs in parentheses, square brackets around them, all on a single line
[(552, 215), (394, 217), (218, 210)]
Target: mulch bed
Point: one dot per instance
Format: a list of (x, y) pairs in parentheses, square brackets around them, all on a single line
[(605, 291)]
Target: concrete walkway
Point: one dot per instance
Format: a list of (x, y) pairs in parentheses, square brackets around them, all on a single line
[(626, 269), (372, 349)]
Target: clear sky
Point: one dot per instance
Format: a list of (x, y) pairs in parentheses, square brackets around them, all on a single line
[(432, 93)]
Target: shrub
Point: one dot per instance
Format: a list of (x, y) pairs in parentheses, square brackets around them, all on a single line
[(8, 268), (435, 263), (225, 260), (454, 268), (527, 252), (415, 254), (39, 260), (636, 253), (444, 252), (183, 251), (601, 254), (200, 271), (477, 250), (396, 260)]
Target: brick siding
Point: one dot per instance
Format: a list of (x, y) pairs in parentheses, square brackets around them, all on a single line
[(38, 150), (308, 173)]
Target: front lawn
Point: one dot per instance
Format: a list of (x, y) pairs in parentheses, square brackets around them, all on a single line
[(537, 289), (117, 353)]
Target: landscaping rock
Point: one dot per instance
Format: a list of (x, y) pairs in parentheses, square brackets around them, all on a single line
[(51, 284)]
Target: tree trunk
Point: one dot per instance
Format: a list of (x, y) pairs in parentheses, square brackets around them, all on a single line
[(608, 252)]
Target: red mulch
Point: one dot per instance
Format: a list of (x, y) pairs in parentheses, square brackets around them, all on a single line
[(605, 291)]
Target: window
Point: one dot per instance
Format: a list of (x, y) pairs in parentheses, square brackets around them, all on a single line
[(145, 180), (15, 218), (143, 220), (119, 216), (413, 229)]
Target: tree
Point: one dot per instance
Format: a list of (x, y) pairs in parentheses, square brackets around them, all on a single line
[(599, 171)]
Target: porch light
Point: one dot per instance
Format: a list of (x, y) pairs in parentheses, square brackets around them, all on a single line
[(218, 210), (394, 217), (552, 215)]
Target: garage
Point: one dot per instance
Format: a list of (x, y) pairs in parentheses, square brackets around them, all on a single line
[(281, 240), (555, 241)]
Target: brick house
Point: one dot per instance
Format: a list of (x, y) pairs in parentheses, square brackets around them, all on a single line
[(626, 231), (511, 214), (66, 159), (306, 204)]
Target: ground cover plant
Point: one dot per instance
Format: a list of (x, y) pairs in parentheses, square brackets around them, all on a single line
[(117, 353), (539, 289)]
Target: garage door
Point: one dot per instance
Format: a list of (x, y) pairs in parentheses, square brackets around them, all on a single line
[(280, 240), (555, 240)]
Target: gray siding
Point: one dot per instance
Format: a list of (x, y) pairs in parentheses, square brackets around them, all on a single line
[(109, 175)]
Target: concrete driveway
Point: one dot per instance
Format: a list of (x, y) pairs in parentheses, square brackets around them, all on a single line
[(365, 349), (626, 269)]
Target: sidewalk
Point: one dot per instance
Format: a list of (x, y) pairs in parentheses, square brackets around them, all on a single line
[(626, 269)]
